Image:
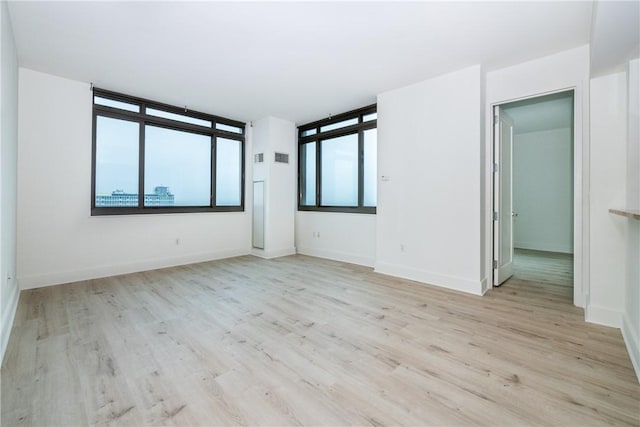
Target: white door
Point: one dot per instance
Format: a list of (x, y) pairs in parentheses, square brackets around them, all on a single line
[(502, 197), (258, 214)]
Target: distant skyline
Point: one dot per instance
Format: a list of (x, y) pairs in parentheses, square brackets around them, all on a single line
[(118, 198), (174, 159)]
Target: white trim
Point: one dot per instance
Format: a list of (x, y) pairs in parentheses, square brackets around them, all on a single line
[(349, 257), (603, 316), (7, 319), (580, 186), (542, 246), (484, 284), (449, 282), (273, 253), (630, 337), (37, 281)]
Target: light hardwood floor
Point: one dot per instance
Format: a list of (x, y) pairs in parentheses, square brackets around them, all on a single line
[(546, 267), (306, 341)]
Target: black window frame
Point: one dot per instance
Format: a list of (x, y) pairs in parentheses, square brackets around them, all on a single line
[(144, 120), (318, 137)]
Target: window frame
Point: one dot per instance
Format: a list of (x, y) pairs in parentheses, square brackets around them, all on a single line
[(318, 137), (144, 120)]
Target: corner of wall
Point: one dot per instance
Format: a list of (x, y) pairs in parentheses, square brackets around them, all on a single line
[(485, 285), (603, 316), (631, 340), (9, 290), (273, 253), (7, 319)]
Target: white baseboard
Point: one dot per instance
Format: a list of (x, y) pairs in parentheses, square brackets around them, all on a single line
[(631, 340), (8, 316), (603, 316), (57, 278), (443, 281), (351, 258), (541, 246), (485, 285), (273, 253)]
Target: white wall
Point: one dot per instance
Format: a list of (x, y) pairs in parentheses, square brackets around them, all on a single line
[(340, 236), (429, 150), (273, 135), (608, 176), (631, 315), (58, 240), (565, 70), (543, 189), (8, 158)]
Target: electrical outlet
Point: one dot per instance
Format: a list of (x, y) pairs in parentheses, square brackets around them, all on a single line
[(177, 241)]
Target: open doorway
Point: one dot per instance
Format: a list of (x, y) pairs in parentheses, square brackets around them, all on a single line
[(534, 190)]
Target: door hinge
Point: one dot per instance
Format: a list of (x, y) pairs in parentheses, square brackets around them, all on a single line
[(495, 216), (495, 167), (495, 264), (495, 119)]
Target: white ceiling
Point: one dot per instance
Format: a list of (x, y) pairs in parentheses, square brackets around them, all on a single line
[(542, 113), (615, 36), (300, 61)]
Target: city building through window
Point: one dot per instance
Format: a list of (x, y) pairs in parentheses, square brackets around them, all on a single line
[(155, 158)]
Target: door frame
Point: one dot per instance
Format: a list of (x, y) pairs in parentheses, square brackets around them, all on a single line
[(253, 213), (580, 191), (503, 271)]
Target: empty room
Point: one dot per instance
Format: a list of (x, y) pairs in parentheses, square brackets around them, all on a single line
[(320, 213)]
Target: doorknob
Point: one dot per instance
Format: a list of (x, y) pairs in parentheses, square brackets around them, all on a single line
[(514, 214)]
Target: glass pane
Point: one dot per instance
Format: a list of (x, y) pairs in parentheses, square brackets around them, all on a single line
[(339, 125), (117, 151), (308, 174), (116, 104), (178, 117), (309, 132), (370, 167), (228, 128), (369, 117), (340, 171), (506, 194), (177, 168), (228, 172)]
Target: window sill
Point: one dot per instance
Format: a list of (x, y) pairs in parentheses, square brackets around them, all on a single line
[(341, 209), (147, 211)]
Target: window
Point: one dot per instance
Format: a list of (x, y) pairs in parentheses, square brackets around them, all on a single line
[(338, 163), (154, 158)]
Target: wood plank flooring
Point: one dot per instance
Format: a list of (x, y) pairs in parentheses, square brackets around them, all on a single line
[(540, 266), (306, 341)]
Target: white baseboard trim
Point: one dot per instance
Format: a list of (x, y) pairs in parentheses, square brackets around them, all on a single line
[(273, 253), (485, 285), (430, 278), (351, 258), (38, 281), (603, 316), (632, 341), (8, 316), (538, 246), (579, 300)]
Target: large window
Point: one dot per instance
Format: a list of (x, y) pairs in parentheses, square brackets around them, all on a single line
[(338, 163), (154, 158)]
